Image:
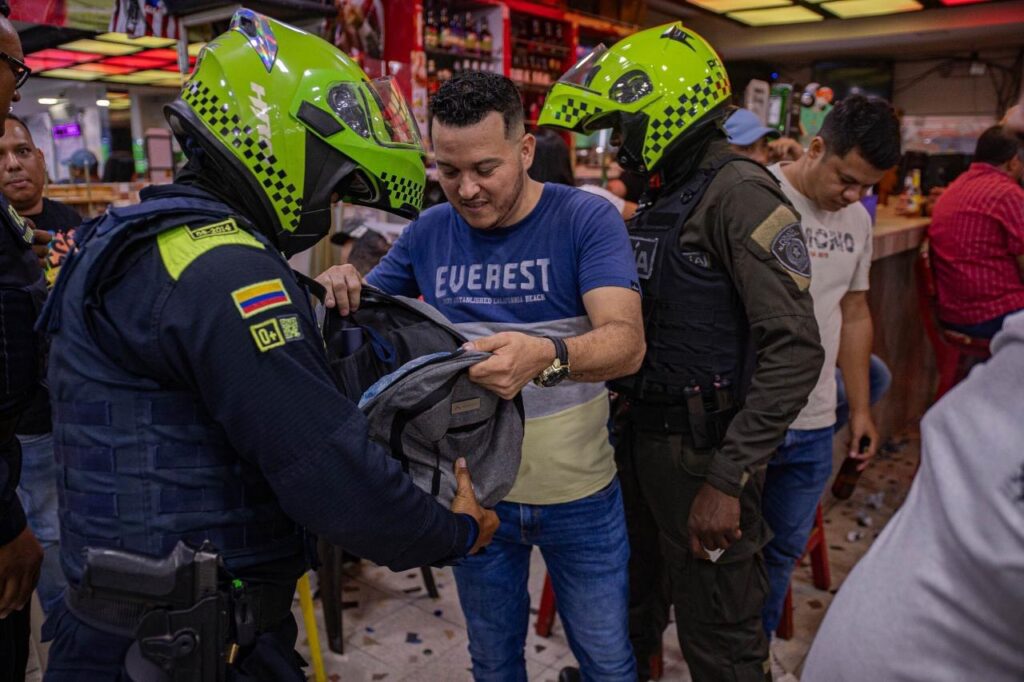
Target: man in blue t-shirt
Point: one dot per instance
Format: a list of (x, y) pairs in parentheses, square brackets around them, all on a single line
[(543, 276)]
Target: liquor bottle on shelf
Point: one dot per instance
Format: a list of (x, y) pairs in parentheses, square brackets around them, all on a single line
[(558, 33), (444, 30), (485, 38), (431, 39), (458, 33), (472, 40), (535, 30)]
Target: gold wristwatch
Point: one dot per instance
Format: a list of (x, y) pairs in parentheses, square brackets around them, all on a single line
[(557, 370)]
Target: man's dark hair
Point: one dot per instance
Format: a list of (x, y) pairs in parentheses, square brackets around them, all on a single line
[(996, 146), (551, 162), (468, 97), (867, 124), (368, 251)]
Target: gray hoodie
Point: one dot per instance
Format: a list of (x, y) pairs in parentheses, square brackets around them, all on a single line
[(940, 595)]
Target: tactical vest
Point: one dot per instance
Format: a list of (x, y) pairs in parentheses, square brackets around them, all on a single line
[(143, 466), (695, 323)]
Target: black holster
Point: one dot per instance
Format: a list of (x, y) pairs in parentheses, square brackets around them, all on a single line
[(172, 607)]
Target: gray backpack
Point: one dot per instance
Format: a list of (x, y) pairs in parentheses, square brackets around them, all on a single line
[(403, 363)]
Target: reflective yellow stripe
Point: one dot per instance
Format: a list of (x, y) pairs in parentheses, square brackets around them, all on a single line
[(181, 245)]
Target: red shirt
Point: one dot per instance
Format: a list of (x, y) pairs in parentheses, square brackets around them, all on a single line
[(976, 234)]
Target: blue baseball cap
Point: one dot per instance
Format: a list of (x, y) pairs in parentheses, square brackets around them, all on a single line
[(744, 128), (81, 158)]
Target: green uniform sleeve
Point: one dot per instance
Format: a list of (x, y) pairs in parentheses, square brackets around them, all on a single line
[(757, 235)]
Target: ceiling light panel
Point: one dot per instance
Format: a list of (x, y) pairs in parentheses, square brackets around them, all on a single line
[(774, 17), (71, 74), (144, 41), (722, 6), (101, 47), (853, 9)]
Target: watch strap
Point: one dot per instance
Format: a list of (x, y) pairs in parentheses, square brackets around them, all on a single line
[(561, 350)]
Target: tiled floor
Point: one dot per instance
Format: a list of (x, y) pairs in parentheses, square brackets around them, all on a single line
[(394, 631)]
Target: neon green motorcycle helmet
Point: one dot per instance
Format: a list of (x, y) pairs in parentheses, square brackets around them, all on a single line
[(657, 87), (290, 120)]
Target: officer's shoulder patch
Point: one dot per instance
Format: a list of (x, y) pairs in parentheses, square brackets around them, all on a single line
[(259, 297), (275, 332), (779, 235), (180, 246)]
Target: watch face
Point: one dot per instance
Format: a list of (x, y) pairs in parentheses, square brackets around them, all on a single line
[(553, 375)]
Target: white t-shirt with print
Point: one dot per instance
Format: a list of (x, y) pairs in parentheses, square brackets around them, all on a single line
[(839, 243)]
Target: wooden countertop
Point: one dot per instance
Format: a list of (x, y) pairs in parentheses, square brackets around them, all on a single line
[(895, 234)]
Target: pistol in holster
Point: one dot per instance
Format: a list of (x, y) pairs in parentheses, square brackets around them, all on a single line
[(173, 607)]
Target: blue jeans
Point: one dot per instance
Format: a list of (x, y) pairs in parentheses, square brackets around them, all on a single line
[(37, 490), (586, 550), (796, 477), (879, 379)]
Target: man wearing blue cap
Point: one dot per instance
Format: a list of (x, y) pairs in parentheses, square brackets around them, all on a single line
[(83, 166), (753, 139)]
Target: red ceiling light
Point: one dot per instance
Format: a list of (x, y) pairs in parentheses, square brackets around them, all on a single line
[(53, 58), (165, 55), (951, 3), (136, 62)]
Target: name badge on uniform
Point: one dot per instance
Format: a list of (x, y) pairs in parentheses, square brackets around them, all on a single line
[(644, 250)]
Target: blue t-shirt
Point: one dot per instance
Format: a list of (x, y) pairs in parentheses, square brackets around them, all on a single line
[(529, 277), (535, 271)]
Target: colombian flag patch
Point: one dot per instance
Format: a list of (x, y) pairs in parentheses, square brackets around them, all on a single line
[(256, 298)]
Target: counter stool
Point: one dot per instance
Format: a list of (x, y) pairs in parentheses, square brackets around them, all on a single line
[(546, 619), (953, 350), (817, 547)]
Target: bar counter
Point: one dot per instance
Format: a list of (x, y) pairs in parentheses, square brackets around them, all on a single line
[(900, 338)]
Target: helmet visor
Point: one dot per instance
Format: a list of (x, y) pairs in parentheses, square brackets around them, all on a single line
[(393, 124), (583, 72)]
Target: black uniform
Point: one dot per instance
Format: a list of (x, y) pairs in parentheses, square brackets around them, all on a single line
[(192, 402), (22, 289), (732, 353)]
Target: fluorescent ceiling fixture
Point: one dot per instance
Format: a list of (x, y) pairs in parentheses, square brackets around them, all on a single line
[(100, 47), (851, 9), (781, 15), (722, 6), (103, 102), (144, 41), (48, 100), (71, 74)]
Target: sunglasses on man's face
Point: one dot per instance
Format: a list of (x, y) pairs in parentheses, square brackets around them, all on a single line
[(19, 68)]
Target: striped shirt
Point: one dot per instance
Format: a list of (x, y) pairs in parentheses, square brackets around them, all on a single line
[(977, 233)]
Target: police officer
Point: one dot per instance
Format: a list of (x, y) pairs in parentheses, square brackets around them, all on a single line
[(22, 289), (192, 399), (732, 344)]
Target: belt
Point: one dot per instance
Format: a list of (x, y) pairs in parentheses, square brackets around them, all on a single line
[(706, 431), (269, 603)]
